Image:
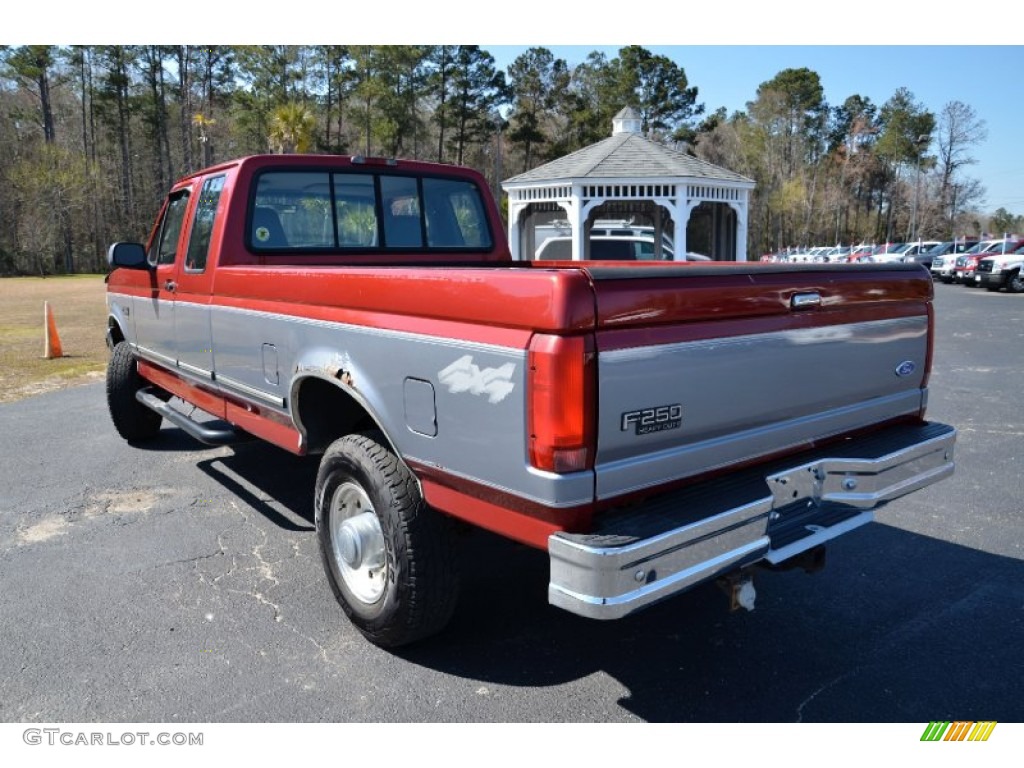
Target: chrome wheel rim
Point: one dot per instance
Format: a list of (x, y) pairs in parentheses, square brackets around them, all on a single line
[(357, 542)]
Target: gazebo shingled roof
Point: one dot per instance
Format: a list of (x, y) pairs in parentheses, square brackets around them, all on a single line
[(627, 156)]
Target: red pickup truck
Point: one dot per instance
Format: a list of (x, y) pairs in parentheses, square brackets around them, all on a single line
[(651, 426)]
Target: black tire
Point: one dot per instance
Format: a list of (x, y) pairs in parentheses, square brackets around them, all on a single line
[(1015, 283), (400, 583), (133, 421)]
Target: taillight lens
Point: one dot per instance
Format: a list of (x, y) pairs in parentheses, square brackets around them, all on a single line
[(562, 402)]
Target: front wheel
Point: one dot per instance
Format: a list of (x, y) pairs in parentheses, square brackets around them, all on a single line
[(1015, 283), (390, 559), (132, 420)]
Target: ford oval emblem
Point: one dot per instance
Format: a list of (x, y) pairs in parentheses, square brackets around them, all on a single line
[(905, 368)]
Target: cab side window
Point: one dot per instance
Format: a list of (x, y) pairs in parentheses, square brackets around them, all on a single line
[(166, 244), (202, 224), (292, 211), (455, 215)]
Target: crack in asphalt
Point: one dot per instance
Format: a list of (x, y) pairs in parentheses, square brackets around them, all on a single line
[(902, 634), (183, 561), (264, 571), (828, 685)]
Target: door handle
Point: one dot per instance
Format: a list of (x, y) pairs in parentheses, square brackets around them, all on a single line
[(170, 285), (805, 300)]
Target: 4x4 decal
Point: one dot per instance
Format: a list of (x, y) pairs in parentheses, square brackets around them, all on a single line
[(465, 376)]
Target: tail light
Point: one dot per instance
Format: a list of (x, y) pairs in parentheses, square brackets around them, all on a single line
[(562, 402)]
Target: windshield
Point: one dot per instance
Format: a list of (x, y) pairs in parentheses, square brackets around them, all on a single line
[(997, 245)]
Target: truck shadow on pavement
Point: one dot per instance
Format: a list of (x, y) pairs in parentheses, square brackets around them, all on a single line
[(899, 627), (273, 482), (171, 440)]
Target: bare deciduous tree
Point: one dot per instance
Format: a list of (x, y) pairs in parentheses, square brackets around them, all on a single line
[(959, 130)]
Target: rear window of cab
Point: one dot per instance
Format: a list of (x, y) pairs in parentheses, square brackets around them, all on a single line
[(318, 211)]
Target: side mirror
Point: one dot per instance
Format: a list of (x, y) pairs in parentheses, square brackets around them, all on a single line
[(127, 255)]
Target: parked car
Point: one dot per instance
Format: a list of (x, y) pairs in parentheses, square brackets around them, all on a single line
[(967, 263), (902, 251), (606, 248), (937, 256), (601, 228), (1004, 270), (887, 252), (860, 252), (944, 268), (835, 254), (919, 248)]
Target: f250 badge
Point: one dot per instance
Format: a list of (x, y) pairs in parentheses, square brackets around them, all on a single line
[(657, 419)]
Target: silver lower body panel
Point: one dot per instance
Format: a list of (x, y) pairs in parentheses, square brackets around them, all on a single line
[(640, 555)]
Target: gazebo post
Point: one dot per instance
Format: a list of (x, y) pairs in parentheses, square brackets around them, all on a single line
[(681, 218), (582, 219), (515, 211), (576, 217), (741, 226)]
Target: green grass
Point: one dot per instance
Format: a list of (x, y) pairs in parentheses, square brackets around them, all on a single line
[(80, 314)]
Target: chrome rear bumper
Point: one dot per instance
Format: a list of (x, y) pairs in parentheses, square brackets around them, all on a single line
[(645, 554)]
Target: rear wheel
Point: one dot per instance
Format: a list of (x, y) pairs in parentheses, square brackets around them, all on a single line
[(132, 420), (390, 559)]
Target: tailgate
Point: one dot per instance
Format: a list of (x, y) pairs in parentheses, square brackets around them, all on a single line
[(705, 367)]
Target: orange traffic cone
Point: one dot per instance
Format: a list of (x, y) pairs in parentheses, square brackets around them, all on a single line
[(53, 348)]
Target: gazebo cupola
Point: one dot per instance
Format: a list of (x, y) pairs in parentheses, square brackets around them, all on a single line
[(627, 121), (628, 177)]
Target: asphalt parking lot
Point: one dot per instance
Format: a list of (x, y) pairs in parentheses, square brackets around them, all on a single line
[(182, 583)]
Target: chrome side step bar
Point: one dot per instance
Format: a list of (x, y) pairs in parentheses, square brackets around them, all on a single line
[(201, 432)]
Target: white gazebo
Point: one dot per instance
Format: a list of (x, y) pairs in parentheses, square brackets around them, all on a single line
[(624, 177)]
